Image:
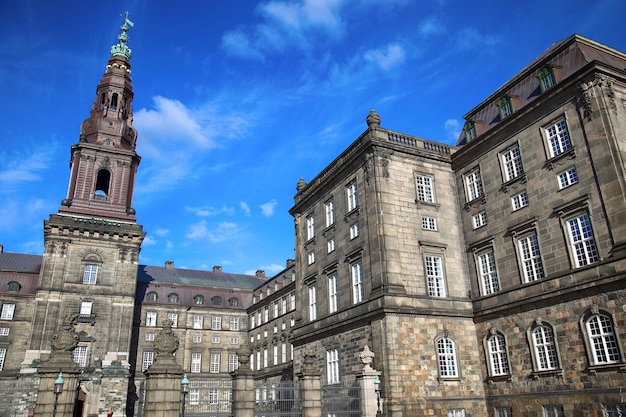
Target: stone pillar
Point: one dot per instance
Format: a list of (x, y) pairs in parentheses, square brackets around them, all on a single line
[(310, 387), (243, 385), (368, 391), (163, 377)]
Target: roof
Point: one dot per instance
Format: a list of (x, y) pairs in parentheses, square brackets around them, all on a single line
[(20, 262), (192, 277)]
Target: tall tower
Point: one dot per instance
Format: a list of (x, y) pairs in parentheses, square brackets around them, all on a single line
[(89, 267)]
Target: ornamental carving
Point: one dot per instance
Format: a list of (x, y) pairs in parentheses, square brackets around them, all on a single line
[(366, 357), (166, 342), (66, 338)]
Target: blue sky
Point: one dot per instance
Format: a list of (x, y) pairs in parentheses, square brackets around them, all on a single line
[(236, 100)]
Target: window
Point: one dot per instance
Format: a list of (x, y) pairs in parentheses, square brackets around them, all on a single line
[(446, 358), (470, 131), (354, 230), (329, 209), (292, 301), (614, 410), (151, 319), (198, 299), (547, 78), (217, 301), (90, 274), (512, 164), (351, 194), (8, 310), (148, 358), (233, 302), (332, 366), (332, 293), (79, 355), (233, 362), (425, 189), (215, 363), (198, 322), (265, 357), (581, 239), (434, 276), (152, 296), (356, 271), (503, 412), (473, 185), (429, 223), (456, 412), (567, 178), (14, 286), (194, 396), (173, 317), (331, 245), (506, 106), (213, 396), (553, 411), (3, 355), (283, 355), (197, 338), (310, 228), (542, 340), (519, 201), (234, 340), (266, 315), (234, 323), (312, 304), (602, 340), (85, 308), (216, 324), (488, 275), (498, 359), (479, 220), (558, 138), (4, 331), (311, 257), (275, 308), (196, 363), (172, 298), (216, 339), (530, 257), (275, 354)]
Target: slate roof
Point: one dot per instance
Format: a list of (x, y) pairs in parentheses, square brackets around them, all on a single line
[(192, 277)]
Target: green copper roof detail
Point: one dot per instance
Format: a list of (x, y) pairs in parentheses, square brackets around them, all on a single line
[(121, 48)]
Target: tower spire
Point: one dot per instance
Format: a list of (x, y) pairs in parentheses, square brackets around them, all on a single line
[(121, 48)]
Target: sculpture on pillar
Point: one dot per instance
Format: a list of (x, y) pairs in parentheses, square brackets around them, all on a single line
[(366, 357), (65, 339), (243, 356), (166, 342)]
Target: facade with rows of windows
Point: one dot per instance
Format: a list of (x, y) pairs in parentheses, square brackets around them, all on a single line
[(488, 278)]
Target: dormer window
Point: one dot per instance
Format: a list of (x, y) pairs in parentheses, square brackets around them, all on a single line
[(14, 286), (506, 106), (217, 301), (198, 299), (173, 298), (152, 296), (470, 131), (547, 77)]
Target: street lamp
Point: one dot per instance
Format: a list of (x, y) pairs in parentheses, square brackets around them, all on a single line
[(184, 388), (58, 389), (377, 389)]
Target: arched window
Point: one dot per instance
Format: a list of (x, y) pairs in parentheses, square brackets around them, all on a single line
[(14, 286), (217, 301), (505, 104), (198, 299), (544, 349), (601, 338), (173, 298), (102, 183), (233, 302), (446, 357), (152, 296), (547, 78), (114, 101), (497, 356)]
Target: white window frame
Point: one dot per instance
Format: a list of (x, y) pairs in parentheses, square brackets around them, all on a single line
[(614, 410), (194, 396), (311, 258), (425, 188), (216, 323), (90, 274), (356, 274), (530, 258), (553, 411), (582, 242), (519, 201), (544, 347), (512, 163), (149, 337), (198, 321), (479, 219), (310, 227), (602, 339), (354, 231), (332, 366), (196, 338), (497, 355), (567, 178), (352, 196), (503, 412), (214, 396), (79, 355), (329, 209), (332, 293), (173, 317), (147, 360), (196, 363), (4, 331), (216, 340), (234, 323), (3, 355), (456, 412), (558, 138), (487, 270), (234, 340), (215, 363), (429, 223), (331, 245), (312, 303), (275, 354), (473, 184), (151, 319), (8, 311), (435, 277), (283, 352), (233, 362), (447, 360), (85, 308)]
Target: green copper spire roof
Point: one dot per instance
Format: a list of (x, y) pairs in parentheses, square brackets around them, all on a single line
[(121, 48)]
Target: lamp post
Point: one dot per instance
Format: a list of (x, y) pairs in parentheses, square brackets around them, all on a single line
[(377, 389), (184, 388), (58, 389)]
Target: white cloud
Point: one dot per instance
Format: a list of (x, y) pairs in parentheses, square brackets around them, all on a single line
[(17, 169), (387, 57), (453, 129), (224, 231), (471, 38), (430, 26), (161, 232), (207, 211), (244, 207), (237, 43), (268, 208), (270, 270), (149, 241)]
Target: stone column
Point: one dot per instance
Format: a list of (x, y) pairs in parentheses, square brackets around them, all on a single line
[(243, 385), (310, 387), (368, 391), (163, 377)]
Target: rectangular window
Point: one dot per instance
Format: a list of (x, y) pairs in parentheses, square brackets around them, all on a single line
[(196, 363), (214, 396), (512, 164), (215, 363), (149, 337), (4, 331), (311, 257), (148, 358), (216, 340), (547, 78), (567, 178), (275, 308), (198, 322), (446, 358), (80, 355), (197, 339), (473, 185), (216, 323), (503, 412), (233, 362), (429, 223), (332, 366), (310, 228), (498, 356), (194, 396), (332, 294), (331, 245), (283, 355), (558, 138), (90, 274), (352, 196), (519, 201), (615, 410), (506, 106), (292, 301), (487, 273), (234, 340), (531, 258), (8, 311), (425, 189), (479, 220), (581, 239), (151, 319), (553, 411), (434, 276), (354, 230), (3, 355), (329, 209), (356, 271), (234, 323), (283, 305), (174, 319), (265, 357), (312, 304), (85, 308), (456, 412), (275, 354), (545, 348)]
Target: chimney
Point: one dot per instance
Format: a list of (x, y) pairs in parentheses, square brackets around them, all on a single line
[(217, 269), (260, 273), (1, 248), (169, 264), (290, 263)]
